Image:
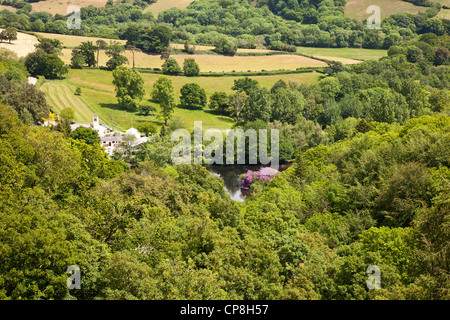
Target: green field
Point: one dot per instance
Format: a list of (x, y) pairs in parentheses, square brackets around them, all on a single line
[(59, 96), (343, 53), (98, 96)]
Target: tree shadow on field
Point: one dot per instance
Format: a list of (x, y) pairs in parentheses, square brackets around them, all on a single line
[(219, 115), (180, 106), (213, 112), (114, 106)]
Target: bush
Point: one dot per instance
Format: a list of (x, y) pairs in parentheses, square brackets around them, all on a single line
[(226, 47), (145, 109), (171, 67), (219, 101), (193, 96), (190, 68)]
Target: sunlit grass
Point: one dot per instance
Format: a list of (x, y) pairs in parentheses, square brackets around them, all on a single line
[(99, 95)]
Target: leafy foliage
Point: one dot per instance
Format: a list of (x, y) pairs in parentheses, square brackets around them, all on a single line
[(129, 86)]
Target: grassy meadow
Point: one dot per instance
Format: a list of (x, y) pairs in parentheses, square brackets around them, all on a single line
[(59, 96), (24, 44), (444, 14), (215, 63), (98, 96), (207, 62), (218, 63), (60, 6), (357, 8), (345, 55), (71, 42), (162, 5)]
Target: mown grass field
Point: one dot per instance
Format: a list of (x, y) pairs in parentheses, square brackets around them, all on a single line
[(59, 96), (207, 62), (69, 41), (343, 54), (215, 63), (209, 48), (218, 63), (99, 96), (357, 8), (162, 5)]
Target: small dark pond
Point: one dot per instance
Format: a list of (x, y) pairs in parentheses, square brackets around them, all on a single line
[(230, 175)]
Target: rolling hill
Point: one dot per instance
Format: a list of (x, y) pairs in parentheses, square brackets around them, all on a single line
[(22, 46), (162, 5), (58, 6), (357, 8)]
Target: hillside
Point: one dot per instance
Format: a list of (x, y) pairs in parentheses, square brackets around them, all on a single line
[(359, 154), (162, 5), (218, 63), (98, 94), (57, 6), (22, 46), (357, 8)]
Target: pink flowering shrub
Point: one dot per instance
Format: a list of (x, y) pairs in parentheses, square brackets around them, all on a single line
[(264, 174)]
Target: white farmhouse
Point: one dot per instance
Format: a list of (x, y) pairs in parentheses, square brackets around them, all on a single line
[(112, 141)]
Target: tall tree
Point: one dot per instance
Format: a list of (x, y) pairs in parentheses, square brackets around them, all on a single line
[(50, 46), (190, 67), (171, 66), (9, 34), (87, 50), (155, 39), (193, 96), (258, 105), (77, 60), (88, 135), (164, 94), (26, 97), (129, 86), (100, 44), (133, 50), (115, 51), (50, 66), (245, 85), (67, 114)]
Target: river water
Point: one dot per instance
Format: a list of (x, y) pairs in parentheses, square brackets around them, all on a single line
[(230, 175)]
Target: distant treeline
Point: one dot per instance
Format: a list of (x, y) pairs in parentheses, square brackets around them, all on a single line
[(232, 24)]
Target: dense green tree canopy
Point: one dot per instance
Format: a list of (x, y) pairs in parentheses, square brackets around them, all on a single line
[(193, 96), (129, 86), (171, 67), (367, 182), (164, 94), (190, 67)]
